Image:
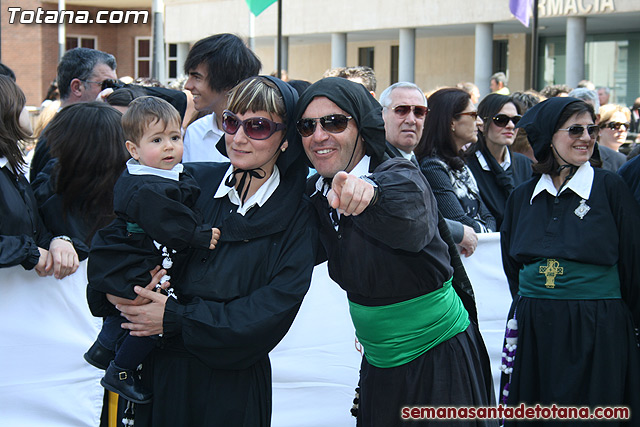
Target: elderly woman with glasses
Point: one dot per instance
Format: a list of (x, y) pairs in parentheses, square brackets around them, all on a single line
[(569, 250), (451, 125), (495, 167), (235, 303)]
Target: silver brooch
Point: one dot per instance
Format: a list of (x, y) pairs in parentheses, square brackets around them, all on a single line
[(582, 209)]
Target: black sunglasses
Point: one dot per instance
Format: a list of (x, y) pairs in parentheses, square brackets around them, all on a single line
[(255, 127), (333, 123), (576, 131), (618, 125), (418, 110), (502, 120)]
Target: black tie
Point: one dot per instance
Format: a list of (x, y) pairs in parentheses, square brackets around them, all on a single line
[(333, 214)]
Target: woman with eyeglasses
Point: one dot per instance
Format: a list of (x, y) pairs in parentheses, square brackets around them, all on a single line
[(614, 125), (211, 366), (569, 251), (452, 124), (495, 167)]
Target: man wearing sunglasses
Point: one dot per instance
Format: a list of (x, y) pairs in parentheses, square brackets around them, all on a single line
[(389, 249), (214, 65), (81, 74), (404, 109)]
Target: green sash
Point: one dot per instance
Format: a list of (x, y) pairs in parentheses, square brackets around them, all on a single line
[(395, 334), (132, 227), (563, 279)]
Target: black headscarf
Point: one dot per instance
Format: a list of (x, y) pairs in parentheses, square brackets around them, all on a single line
[(540, 123), (354, 99), (294, 151)]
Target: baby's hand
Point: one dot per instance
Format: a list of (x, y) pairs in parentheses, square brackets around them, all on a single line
[(215, 235)]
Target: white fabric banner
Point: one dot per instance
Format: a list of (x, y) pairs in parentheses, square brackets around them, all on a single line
[(45, 328), (315, 367)]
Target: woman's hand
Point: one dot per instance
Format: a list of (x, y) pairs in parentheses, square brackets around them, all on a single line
[(469, 241), (63, 258), (156, 275), (42, 263), (145, 320)]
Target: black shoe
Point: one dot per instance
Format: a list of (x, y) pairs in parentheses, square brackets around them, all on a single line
[(126, 383), (99, 356)]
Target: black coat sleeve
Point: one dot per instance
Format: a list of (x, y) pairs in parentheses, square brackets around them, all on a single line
[(405, 215), (163, 216), (236, 334), (509, 264)]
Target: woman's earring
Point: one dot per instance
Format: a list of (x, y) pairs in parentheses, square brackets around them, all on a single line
[(453, 129), (283, 149)]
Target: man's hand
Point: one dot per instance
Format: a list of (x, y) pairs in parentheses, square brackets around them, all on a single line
[(469, 242), (349, 195), (215, 236)]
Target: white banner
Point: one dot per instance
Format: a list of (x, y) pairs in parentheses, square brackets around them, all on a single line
[(45, 328)]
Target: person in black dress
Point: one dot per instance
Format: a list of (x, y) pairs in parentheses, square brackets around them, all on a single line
[(211, 367), (495, 167), (379, 229), (569, 250)]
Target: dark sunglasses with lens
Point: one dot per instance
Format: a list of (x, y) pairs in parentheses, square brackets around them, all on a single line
[(255, 127), (418, 110), (576, 131), (332, 123), (112, 83), (502, 120), (618, 125)]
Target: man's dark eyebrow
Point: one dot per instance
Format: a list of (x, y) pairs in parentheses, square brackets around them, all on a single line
[(195, 73)]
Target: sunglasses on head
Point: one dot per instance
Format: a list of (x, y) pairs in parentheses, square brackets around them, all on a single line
[(472, 114), (255, 127), (332, 123), (112, 83), (576, 131), (502, 120), (618, 125), (418, 110)]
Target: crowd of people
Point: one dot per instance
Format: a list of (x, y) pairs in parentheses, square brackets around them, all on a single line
[(201, 222)]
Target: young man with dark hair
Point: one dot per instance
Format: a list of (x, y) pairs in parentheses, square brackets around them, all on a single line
[(215, 65)]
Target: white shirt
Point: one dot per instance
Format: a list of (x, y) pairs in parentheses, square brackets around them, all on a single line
[(361, 169), (580, 183), (485, 165), (135, 168), (259, 198), (3, 162), (200, 141)]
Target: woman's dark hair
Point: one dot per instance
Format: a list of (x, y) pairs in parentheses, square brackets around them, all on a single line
[(548, 163), (437, 138), (487, 109), (12, 102), (88, 141)]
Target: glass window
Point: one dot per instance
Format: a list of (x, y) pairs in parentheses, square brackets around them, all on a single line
[(365, 56), (143, 57)]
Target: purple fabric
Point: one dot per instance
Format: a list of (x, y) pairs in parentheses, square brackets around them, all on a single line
[(521, 9)]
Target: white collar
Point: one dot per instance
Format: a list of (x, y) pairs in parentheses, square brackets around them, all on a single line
[(405, 154), (580, 183), (3, 162), (483, 162), (135, 168), (212, 125), (360, 170), (259, 198)]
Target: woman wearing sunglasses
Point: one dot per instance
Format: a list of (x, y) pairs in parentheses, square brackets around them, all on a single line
[(237, 302), (614, 125), (452, 124), (495, 167), (570, 254)]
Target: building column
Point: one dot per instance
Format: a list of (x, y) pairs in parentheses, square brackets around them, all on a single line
[(576, 38), (338, 50), (483, 57), (183, 52), (158, 68), (407, 55), (284, 56)]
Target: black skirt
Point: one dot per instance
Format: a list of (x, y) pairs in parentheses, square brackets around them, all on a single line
[(575, 353), (454, 373)]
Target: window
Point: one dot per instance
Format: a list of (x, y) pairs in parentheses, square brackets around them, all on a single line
[(172, 60), (365, 56), (143, 57), (500, 55), (395, 51), (90, 42)]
